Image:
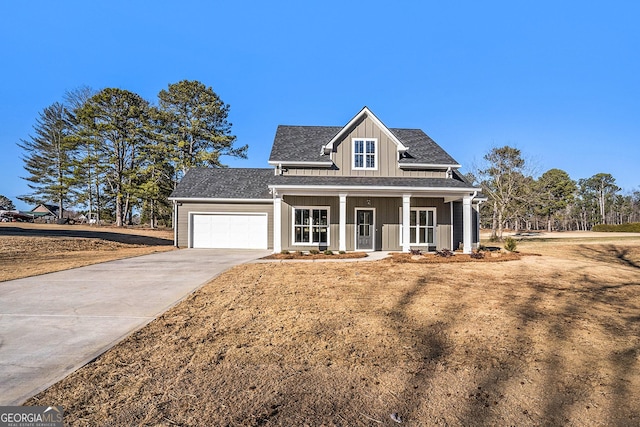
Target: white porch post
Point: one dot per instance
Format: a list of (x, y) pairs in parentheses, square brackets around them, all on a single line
[(476, 223), (343, 223), (466, 224), (277, 223), (406, 212)]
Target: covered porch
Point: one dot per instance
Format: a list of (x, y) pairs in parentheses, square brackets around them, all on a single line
[(366, 219)]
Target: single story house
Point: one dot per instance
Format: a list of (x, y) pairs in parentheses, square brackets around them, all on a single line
[(358, 187)]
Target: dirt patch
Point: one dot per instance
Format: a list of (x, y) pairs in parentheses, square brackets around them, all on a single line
[(33, 249), (546, 340)]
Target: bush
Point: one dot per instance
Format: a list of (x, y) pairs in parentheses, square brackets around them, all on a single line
[(510, 244), (444, 253), (632, 227), (416, 252), (285, 252), (342, 252), (328, 252), (477, 255), (314, 252)]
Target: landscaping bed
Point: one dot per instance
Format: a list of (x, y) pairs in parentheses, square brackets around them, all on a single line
[(299, 255), (450, 257)]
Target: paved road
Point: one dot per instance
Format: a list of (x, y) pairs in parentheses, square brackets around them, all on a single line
[(51, 325)]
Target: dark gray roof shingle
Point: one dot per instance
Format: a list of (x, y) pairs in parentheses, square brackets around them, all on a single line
[(421, 148), (304, 144), (364, 181), (224, 183), (248, 183), (301, 143)]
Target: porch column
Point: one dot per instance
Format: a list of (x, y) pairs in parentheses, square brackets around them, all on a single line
[(476, 224), (406, 214), (277, 223), (342, 241), (466, 224)]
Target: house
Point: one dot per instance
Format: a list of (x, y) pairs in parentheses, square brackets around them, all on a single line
[(358, 187), (46, 212)]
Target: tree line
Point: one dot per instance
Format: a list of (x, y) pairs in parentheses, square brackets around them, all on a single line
[(114, 153), (553, 201)]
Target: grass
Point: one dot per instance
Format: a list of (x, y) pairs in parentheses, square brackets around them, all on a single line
[(32, 249), (541, 340)]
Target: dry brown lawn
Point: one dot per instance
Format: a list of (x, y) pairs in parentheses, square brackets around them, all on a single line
[(543, 340), (32, 249)]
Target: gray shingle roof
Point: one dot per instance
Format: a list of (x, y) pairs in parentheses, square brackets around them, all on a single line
[(301, 143), (421, 148), (248, 183), (225, 183), (360, 181), (304, 144)]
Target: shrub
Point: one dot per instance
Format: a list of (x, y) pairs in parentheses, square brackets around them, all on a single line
[(632, 227), (510, 244), (477, 255), (328, 252), (342, 252), (444, 253), (416, 252), (314, 252), (285, 252)]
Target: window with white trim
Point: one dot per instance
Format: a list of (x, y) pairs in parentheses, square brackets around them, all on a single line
[(311, 225), (422, 226), (365, 153)]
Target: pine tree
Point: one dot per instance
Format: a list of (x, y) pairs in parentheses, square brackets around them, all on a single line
[(6, 203), (117, 124), (49, 159), (194, 123)]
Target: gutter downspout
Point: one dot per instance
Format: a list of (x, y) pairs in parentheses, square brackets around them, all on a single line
[(175, 223)]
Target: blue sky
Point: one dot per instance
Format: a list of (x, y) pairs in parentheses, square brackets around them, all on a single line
[(558, 80)]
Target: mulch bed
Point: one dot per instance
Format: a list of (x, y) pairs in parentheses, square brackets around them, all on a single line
[(436, 259), (308, 256)]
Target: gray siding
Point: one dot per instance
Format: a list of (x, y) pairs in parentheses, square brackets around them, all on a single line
[(387, 157), (288, 202), (387, 219), (192, 207)]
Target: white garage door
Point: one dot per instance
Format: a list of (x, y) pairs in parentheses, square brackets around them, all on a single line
[(237, 231)]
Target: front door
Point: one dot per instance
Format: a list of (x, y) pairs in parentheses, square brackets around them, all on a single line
[(365, 230)]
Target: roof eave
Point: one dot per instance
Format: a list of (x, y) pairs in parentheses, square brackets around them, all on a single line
[(299, 163), (219, 200), (378, 190), (427, 166)]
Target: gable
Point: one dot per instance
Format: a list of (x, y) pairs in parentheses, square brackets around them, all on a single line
[(364, 114)]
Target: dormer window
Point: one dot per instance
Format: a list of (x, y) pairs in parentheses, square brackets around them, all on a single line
[(365, 152)]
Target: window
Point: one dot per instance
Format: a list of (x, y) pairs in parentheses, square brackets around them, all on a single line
[(364, 153), (422, 226), (311, 226)]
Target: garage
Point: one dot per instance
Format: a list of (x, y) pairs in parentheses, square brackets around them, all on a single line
[(229, 230)]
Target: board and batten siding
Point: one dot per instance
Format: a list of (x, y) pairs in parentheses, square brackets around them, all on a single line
[(387, 157), (387, 220), (212, 207)]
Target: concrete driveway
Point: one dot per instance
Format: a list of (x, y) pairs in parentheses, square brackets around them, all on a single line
[(51, 325)]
